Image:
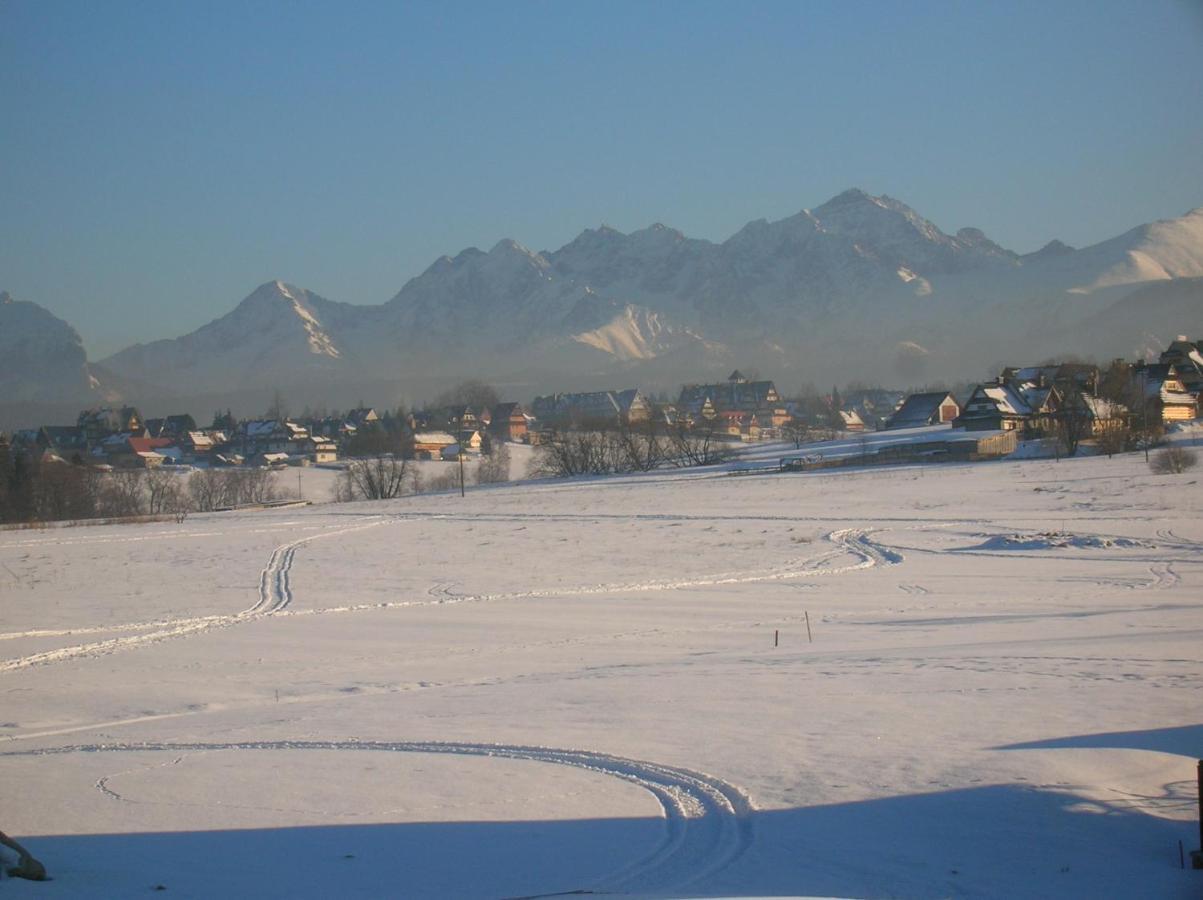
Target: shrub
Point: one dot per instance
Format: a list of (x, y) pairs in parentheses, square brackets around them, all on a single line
[(1173, 461)]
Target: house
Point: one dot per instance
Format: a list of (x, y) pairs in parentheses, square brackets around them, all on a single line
[(1008, 406), (697, 407), (362, 417), (1103, 414), (196, 444), (918, 410), (430, 444), (851, 420), (1165, 393), (322, 449), (274, 436), (470, 441), (270, 460), (67, 441), (1187, 358), (591, 407), (732, 422), (873, 405), (737, 393), (102, 422), (142, 452), (1065, 377), (633, 407), (508, 422)]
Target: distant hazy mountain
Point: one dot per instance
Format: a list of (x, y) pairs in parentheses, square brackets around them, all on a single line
[(41, 357), (859, 288)]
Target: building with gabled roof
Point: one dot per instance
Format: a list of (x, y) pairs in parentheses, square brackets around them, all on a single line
[(735, 393), (929, 408), (1165, 392), (1186, 357), (1008, 406), (508, 422), (591, 406), (65, 440), (101, 422)]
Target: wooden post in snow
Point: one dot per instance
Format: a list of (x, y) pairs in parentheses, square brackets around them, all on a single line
[(809, 639), (1196, 856)]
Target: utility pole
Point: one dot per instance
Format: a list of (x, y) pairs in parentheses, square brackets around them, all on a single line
[(1144, 410), (461, 464)]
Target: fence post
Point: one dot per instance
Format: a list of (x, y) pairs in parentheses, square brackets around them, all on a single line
[(1196, 856)]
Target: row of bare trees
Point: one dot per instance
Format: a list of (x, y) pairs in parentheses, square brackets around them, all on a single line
[(32, 490), (607, 448), (388, 476)]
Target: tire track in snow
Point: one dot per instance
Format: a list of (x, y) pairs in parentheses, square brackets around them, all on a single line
[(274, 595), (707, 820)]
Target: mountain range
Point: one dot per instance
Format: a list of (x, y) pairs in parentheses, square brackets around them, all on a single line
[(860, 288)]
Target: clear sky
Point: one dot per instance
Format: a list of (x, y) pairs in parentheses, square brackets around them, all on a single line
[(160, 160)]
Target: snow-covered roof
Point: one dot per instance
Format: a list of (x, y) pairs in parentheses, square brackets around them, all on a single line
[(261, 428), (1101, 408), (433, 437), (918, 409), (1007, 399), (851, 417)]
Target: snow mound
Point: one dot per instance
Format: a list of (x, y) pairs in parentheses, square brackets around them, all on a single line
[(1050, 540)]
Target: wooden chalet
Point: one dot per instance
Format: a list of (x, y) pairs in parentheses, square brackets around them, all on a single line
[(1010, 406), (1186, 356), (736, 393), (508, 422), (1165, 392), (592, 407), (430, 444), (103, 422)]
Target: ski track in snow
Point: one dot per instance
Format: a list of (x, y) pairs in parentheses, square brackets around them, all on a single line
[(848, 541), (707, 820), (275, 594)]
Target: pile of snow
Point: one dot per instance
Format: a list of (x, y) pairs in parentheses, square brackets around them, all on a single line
[(1049, 540)]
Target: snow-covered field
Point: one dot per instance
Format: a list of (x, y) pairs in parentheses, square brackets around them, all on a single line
[(959, 680)]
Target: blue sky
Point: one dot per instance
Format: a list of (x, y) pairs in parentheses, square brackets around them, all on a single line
[(160, 160)]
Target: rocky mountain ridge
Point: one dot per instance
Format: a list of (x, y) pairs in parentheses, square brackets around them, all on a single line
[(861, 287)]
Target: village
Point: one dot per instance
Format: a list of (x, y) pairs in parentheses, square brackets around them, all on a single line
[(1060, 405)]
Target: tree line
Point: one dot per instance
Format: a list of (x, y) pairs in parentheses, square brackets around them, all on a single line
[(36, 490)]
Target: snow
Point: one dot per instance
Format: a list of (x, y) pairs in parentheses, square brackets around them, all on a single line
[(607, 684)]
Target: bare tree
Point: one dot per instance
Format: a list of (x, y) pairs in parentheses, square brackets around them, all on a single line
[(447, 481), (209, 489), (588, 450), (123, 493), (495, 467), (1072, 420), (473, 392), (253, 485), (278, 411), (375, 478), (1115, 436), (699, 445), (642, 446), (798, 431), (61, 491), (164, 493), (1173, 461)]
